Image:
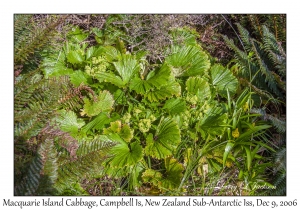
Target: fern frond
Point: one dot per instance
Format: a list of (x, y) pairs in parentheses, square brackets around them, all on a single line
[(42, 168), (244, 34), (30, 38), (90, 156), (279, 124)]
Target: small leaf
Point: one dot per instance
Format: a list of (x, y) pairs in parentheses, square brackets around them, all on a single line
[(104, 103), (69, 122), (228, 148), (126, 133)]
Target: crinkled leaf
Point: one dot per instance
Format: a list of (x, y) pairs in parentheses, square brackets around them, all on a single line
[(153, 177), (156, 78), (78, 77), (165, 141), (75, 57), (104, 103), (115, 127), (126, 133), (223, 79), (126, 154), (112, 53), (213, 121), (167, 91), (69, 122), (198, 86), (169, 178), (111, 78), (175, 105), (140, 86), (188, 61), (173, 173), (127, 66)]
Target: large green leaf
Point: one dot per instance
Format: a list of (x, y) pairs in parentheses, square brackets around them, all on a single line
[(188, 61), (126, 154), (69, 122), (127, 66), (78, 78), (156, 78), (213, 121), (75, 57), (173, 174), (169, 178), (110, 77), (223, 79), (167, 91), (199, 87), (165, 141), (175, 105), (103, 103)]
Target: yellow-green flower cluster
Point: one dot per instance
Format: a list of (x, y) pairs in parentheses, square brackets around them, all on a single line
[(99, 64), (126, 117), (152, 118), (144, 125), (186, 117), (192, 99), (136, 111)]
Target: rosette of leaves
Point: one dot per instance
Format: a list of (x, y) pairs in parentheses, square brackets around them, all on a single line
[(165, 140), (167, 178)]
